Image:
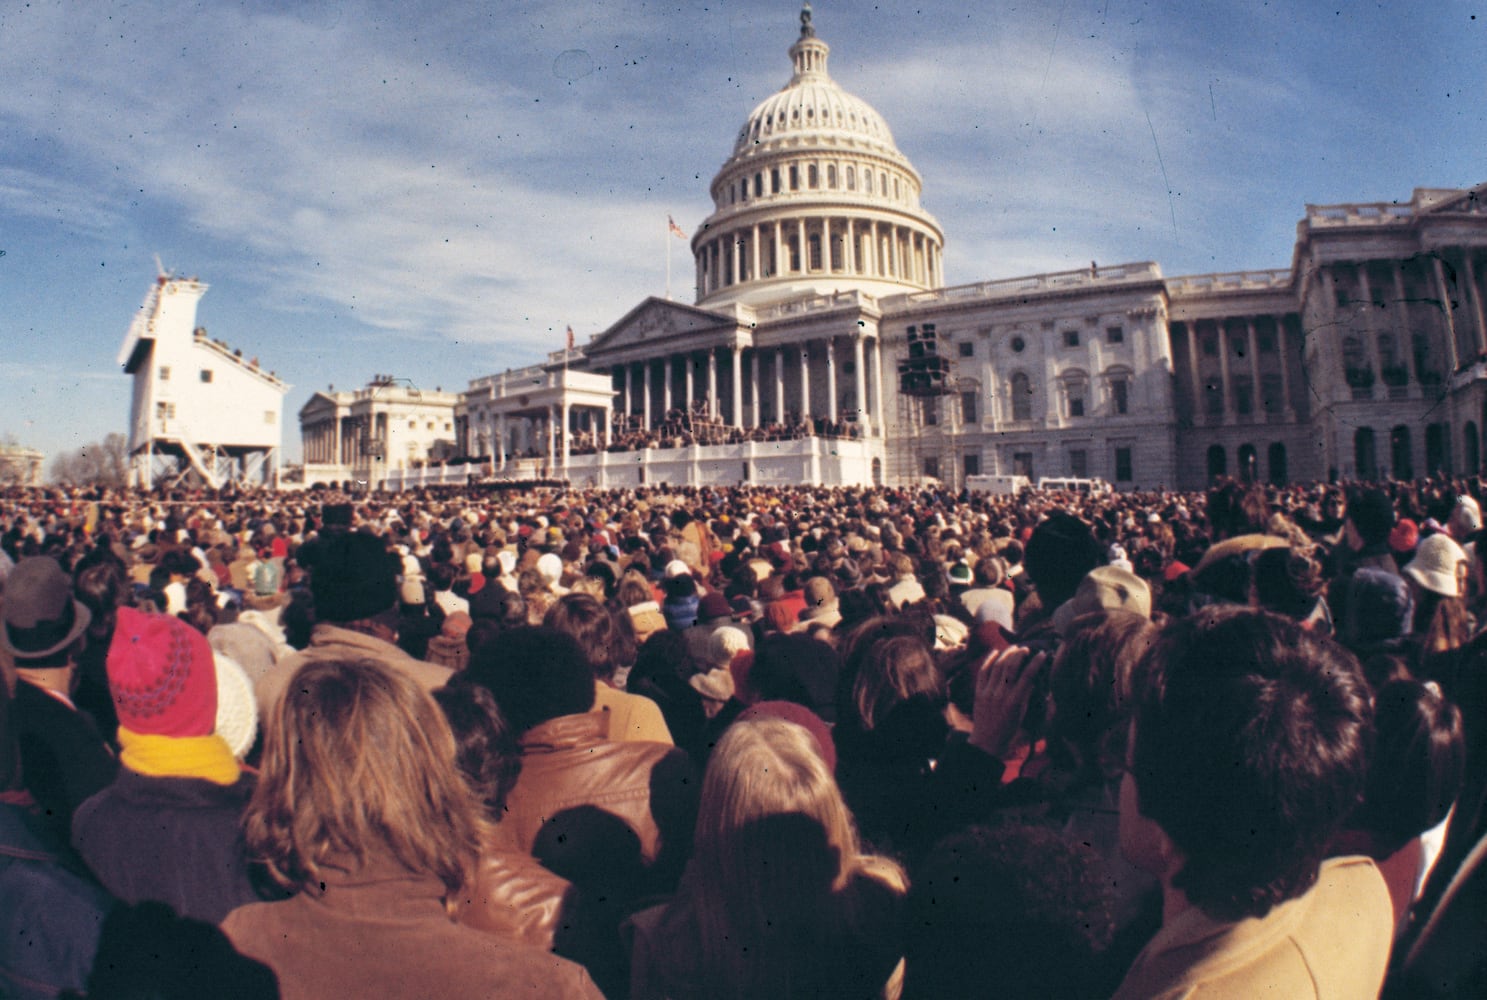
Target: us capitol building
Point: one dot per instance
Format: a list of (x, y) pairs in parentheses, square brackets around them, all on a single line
[(823, 346)]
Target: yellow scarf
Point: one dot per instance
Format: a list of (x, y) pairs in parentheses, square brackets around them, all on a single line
[(206, 757)]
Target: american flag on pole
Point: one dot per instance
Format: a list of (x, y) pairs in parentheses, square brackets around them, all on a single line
[(570, 338), (674, 228)]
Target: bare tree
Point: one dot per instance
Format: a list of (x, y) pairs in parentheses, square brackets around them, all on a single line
[(103, 463)]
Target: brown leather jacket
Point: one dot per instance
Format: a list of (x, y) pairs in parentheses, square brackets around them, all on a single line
[(517, 898), (571, 773)]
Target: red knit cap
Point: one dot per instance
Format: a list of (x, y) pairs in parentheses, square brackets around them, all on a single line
[(161, 673)]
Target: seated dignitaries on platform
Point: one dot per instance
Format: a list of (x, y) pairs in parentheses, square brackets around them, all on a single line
[(1249, 750)]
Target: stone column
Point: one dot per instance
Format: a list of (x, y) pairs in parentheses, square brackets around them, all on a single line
[(691, 391), (608, 426), (1375, 363), (567, 433), (754, 390), (666, 385), (629, 391), (1402, 324), (552, 437), (1285, 366), (860, 371), (1444, 291), (881, 422), (1474, 293), (737, 407), (779, 250), (779, 385), (1200, 413), (805, 254), (1223, 335), (754, 254), (1257, 397), (712, 382), (805, 384), (831, 413), (874, 267), (501, 440), (645, 393), (849, 248), (735, 256)]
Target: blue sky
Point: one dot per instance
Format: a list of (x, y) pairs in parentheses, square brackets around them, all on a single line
[(437, 190)]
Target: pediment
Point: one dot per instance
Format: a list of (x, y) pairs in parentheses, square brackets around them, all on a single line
[(1472, 202), (317, 404), (657, 322)]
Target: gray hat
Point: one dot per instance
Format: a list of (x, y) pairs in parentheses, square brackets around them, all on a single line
[(41, 617)]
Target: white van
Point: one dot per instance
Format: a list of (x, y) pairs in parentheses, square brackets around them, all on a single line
[(1069, 484), (1008, 486)]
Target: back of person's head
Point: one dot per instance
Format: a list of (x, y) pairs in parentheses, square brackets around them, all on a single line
[(1418, 765), (1250, 748), (885, 674), (486, 748), (354, 578), (592, 626), (359, 764), (1372, 513), (1015, 911), (633, 589), (1091, 686), (1229, 579), (1060, 552), (537, 673), (1287, 582), (1235, 509), (798, 668)]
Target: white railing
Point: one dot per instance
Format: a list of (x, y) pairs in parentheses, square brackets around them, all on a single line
[(1012, 287), (1381, 213)]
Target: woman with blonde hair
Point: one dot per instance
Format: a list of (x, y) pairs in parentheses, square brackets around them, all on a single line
[(361, 812), (779, 901)]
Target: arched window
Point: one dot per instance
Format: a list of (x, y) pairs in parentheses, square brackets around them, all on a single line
[(851, 178), (1365, 457), (1021, 391), (831, 175), (812, 176), (1249, 462), (1277, 462), (1218, 462), (1401, 459), (867, 181), (1075, 385)]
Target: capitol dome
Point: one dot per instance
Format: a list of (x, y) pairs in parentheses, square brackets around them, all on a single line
[(816, 198)]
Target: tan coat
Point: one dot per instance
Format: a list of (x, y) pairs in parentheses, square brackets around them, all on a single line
[(1330, 944)]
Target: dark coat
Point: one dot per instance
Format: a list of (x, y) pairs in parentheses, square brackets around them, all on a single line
[(172, 840), (51, 915), (62, 754)]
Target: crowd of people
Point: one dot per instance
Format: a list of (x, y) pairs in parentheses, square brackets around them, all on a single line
[(744, 742)]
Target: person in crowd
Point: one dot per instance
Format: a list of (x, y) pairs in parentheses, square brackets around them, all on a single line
[(64, 758), (355, 587), (606, 646), (167, 828), (780, 899), (544, 686), (1249, 750), (362, 814)]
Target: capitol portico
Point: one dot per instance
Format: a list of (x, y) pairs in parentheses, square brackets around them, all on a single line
[(823, 345)]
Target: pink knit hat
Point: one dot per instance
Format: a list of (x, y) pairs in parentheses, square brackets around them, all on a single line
[(162, 676)]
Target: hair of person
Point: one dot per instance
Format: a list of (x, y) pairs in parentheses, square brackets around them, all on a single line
[(1235, 509), (664, 654), (1287, 582), (1446, 624), (359, 763), (680, 587), (536, 673), (1418, 767), (179, 562), (530, 582), (633, 589), (1246, 714), (890, 671), (442, 576), (486, 749), (1092, 686), (592, 625), (101, 583), (774, 842), (1061, 551), (1016, 906)]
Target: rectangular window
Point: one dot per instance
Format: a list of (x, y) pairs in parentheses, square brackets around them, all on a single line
[(967, 348), (932, 466), (206, 374), (1123, 465), (814, 242), (165, 373), (1078, 463), (1076, 406), (794, 178), (1115, 335), (812, 176), (1120, 394), (1071, 338), (165, 411), (973, 463), (1022, 464), (269, 416), (968, 410), (774, 180), (758, 185)]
